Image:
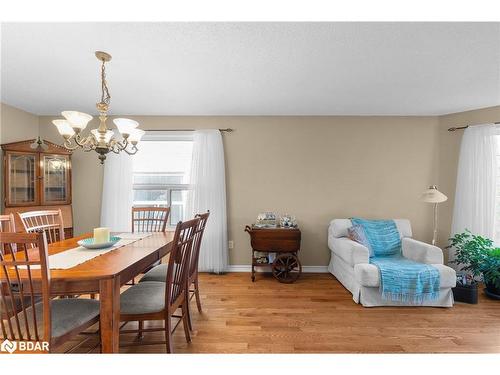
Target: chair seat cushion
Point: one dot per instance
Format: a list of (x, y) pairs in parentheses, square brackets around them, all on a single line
[(67, 314), (143, 298), (157, 263), (18, 304), (368, 275), (158, 273)]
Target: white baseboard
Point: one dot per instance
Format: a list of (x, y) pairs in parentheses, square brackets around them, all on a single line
[(315, 269), (248, 268), (239, 268)]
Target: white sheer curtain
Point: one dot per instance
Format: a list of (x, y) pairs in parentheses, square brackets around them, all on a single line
[(208, 192), (117, 194), (476, 181)]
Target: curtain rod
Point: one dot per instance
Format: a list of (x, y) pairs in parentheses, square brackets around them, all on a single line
[(465, 127), (227, 130)]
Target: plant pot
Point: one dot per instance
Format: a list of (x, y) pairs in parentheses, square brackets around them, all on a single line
[(492, 291), (466, 293)]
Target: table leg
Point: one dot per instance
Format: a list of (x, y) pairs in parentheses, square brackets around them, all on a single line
[(109, 296)]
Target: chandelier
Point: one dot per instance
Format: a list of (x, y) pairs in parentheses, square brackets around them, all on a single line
[(100, 140)]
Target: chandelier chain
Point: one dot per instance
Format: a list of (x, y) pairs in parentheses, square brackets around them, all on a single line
[(105, 97)]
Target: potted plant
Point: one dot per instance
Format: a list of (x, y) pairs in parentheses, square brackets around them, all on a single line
[(491, 273), (478, 257)]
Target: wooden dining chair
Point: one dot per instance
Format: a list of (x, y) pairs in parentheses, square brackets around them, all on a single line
[(193, 269), (50, 221), (7, 223), (150, 219), (157, 300), (23, 318), (158, 273)]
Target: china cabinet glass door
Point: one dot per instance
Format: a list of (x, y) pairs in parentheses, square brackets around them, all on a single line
[(55, 182), (22, 179)]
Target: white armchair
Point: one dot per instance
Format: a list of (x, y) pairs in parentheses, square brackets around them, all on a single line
[(350, 264), (421, 252), (350, 251)]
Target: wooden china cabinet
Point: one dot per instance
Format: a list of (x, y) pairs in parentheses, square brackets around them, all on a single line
[(37, 179)]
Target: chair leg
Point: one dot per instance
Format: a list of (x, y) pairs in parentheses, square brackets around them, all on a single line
[(188, 311), (168, 334), (185, 322), (140, 335), (197, 293), (100, 339)]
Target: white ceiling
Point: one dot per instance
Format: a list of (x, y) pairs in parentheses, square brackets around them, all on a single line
[(253, 68)]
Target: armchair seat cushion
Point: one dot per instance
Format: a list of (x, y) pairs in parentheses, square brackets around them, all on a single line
[(368, 275)]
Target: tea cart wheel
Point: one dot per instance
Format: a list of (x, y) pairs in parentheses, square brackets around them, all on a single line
[(286, 268)]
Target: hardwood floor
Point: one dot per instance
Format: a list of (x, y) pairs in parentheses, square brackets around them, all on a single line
[(317, 315)]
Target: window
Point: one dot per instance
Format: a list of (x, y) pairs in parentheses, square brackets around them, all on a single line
[(161, 172)]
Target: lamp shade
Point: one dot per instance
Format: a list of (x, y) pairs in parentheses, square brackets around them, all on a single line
[(77, 120), (97, 135), (125, 125), (136, 135), (433, 195), (64, 128)]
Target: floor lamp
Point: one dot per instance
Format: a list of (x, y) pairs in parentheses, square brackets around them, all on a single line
[(433, 195)]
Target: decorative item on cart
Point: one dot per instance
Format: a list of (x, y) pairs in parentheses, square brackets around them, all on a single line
[(261, 258), (266, 220), (288, 221)]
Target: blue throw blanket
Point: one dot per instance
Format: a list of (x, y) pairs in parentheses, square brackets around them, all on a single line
[(382, 236), (401, 279)]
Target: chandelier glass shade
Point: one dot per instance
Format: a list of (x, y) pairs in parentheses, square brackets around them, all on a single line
[(102, 139)]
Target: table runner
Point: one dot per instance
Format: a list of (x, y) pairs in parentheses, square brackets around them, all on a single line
[(73, 257)]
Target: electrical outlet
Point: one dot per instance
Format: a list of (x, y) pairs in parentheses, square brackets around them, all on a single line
[(230, 244)]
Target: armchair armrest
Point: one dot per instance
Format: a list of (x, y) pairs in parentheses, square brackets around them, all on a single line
[(350, 251), (421, 252)]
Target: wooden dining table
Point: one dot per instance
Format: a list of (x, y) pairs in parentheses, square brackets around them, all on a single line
[(105, 274)]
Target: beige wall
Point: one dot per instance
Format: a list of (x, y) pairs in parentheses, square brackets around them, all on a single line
[(449, 148), (317, 168), (15, 125)]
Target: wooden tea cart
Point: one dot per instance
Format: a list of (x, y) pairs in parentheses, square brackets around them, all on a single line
[(285, 242)]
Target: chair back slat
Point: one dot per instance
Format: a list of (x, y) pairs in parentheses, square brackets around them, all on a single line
[(150, 219), (18, 295), (198, 236), (178, 262), (49, 221)]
